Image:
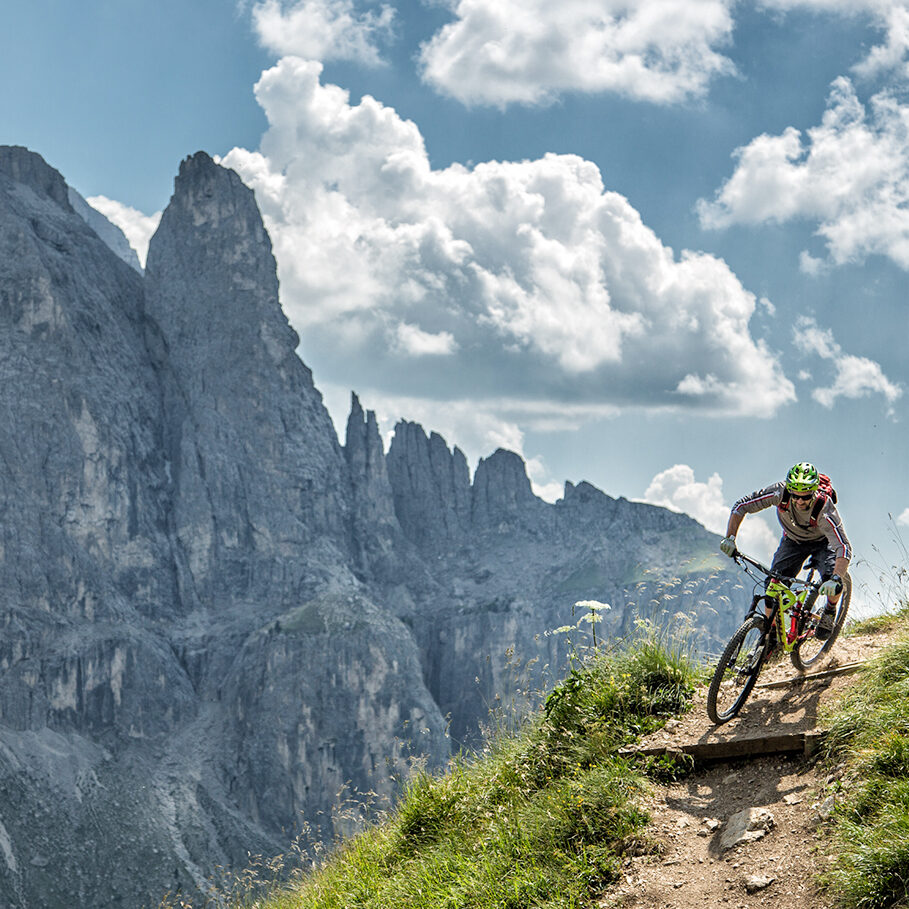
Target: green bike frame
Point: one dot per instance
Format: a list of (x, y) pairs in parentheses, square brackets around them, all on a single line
[(786, 600)]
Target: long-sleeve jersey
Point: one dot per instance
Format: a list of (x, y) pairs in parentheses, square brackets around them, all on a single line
[(828, 525)]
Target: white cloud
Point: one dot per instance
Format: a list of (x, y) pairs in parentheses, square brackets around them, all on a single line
[(535, 282), (850, 174), (856, 377), (498, 52), (767, 306), (811, 265), (676, 488), (904, 517), (892, 18), (548, 490), (890, 56), (416, 342), (137, 227), (322, 29)]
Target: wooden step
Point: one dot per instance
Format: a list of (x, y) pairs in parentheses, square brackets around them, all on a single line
[(805, 743), (812, 676)]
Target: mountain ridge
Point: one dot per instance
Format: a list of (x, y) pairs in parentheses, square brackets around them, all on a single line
[(215, 615)]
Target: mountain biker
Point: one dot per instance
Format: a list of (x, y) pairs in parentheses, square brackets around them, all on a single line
[(822, 538)]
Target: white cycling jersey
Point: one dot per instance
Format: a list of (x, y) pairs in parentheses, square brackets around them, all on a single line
[(796, 525)]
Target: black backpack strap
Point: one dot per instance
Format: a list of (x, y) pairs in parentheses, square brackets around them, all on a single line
[(816, 509), (784, 500)]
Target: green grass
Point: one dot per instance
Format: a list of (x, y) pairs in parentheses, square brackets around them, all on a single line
[(887, 621), (870, 735), (541, 818)]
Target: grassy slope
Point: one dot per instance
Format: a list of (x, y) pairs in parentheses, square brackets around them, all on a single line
[(541, 818), (870, 737)]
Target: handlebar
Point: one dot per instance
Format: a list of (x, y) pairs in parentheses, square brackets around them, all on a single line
[(739, 557)]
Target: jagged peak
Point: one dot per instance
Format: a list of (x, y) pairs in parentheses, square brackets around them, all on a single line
[(582, 493), (200, 162), (362, 431), (29, 168), (431, 483), (356, 425), (356, 408), (213, 228), (213, 193), (507, 463), (501, 481)]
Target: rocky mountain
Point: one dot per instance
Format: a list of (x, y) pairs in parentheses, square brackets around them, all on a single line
[(214, 616), (108, 232)]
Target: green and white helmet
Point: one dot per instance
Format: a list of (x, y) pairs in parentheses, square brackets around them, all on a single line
[(802, 478)]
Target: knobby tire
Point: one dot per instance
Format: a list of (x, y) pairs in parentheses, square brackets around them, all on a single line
[(808, 650), (737, 670)]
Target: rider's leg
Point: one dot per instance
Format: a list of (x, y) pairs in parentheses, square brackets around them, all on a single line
[(789, 557), (825, 560), (787, 561)]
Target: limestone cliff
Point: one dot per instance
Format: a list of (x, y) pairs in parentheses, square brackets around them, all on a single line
[(213, 615)]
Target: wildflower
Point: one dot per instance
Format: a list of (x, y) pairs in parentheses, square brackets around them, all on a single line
[(593, 605)]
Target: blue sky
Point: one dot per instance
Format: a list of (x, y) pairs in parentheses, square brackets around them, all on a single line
[(661, 246)]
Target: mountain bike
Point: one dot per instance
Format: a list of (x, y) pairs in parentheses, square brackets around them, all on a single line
[(790, 628)]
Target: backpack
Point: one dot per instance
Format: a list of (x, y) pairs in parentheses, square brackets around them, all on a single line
[(824, 492)]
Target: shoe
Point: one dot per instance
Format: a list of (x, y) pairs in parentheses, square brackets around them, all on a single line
[(825, 624)]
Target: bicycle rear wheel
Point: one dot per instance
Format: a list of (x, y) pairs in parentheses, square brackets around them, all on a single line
[(737, 670), (808, 650)]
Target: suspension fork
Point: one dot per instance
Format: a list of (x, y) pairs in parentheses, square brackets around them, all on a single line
[(786, 601)]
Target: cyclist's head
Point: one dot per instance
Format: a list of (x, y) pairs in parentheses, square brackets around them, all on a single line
[(802, 477)]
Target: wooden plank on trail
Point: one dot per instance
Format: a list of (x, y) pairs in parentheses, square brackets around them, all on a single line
[(728, 749), (812, 676)]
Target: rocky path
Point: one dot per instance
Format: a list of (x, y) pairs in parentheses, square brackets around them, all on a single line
[(745, 833)]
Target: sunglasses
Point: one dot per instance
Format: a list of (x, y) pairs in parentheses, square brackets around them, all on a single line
[(801, 497)]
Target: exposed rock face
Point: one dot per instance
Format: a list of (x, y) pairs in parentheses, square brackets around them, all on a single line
[(501, 491), (256, 469), (214, 616), (109, 233), (511, 567), (84, 555), (31, 170), (431, 485)]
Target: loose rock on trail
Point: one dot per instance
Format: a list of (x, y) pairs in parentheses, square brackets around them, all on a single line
[(745, 832)]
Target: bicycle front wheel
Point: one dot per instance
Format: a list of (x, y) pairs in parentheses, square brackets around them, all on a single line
[(808, 650), (737, 670)]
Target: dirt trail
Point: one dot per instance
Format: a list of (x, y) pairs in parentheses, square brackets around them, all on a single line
[(690, 817)]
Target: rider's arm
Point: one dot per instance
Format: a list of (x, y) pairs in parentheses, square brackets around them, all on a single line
[(757, 501), (837, 540)]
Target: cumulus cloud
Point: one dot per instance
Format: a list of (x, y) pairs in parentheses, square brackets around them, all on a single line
[(497, 52), (892, 18), (676, 488), (322, 29), (856, 377), (412, 340), (904, 517), (548, 490), (889, 57), (136, 226), (526, 281), (850, 174)]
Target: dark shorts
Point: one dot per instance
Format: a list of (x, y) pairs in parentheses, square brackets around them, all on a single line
[(791, 556)]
